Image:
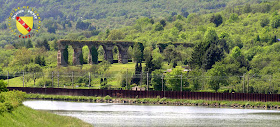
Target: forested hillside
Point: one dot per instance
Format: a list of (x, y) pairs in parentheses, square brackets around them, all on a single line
[(61, 16), (236, 42)]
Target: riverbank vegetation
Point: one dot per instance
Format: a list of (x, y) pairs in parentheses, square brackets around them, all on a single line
[(159, 101), (14, 114), (23, 116)]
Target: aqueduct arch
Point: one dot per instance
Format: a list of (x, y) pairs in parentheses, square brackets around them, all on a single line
[(107, 46)]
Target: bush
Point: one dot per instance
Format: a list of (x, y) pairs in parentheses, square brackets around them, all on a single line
[(44, 82), (216, 19), (3, 87), (10, 100), (107, 97), (158, 27)]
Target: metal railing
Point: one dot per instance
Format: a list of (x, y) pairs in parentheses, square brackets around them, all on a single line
[(124, 80)]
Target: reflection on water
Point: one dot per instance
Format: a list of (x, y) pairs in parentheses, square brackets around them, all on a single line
[(103, 114)]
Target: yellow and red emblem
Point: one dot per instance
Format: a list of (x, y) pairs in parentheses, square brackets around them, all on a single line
[(28, 22), (24, 24)]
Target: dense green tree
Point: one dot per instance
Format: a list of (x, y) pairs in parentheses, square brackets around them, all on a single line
[(185, 14), (107, 33), (149, 59), (43, 44), (157, 80), (224, 35), (157, 59), (104, 66), (179, 26), (28, 44), (179, 17), (217, 19), (247, 8), (233, 17), (218, 76), (211, 56), (51, 29), (40, 60), (65, 54), (162, 22), (264, 22), (273, 40), (32, 68), (149, 64), (173, 14), (236, 52), (142, 22), (197, 56), (54, 45), (158, 27), (137, 53), (168, 53), (257, 38), (275, 21), (116, 35), (136, 77), (173, 79), (210, 36), (94, 55), (82, 25), (22, 57), (195, 79), (210, 51), (3, 86)]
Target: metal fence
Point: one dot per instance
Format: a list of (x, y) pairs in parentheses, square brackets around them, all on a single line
[(128, 80), (153, 94)]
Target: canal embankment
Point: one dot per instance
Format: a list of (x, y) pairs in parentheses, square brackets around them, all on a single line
[(159, 101), (14, 114)]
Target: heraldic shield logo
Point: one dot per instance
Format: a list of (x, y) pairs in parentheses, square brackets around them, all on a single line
[(24, 24)]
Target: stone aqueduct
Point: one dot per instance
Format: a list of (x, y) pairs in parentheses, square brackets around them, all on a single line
[(107, 46)]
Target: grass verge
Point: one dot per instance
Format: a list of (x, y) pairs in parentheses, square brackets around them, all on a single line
[(24, 116), (14, 114)]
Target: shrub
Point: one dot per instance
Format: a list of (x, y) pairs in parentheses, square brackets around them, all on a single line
[(10, 100), (44, 82), (162, 99), (107, 97), (3, 86)]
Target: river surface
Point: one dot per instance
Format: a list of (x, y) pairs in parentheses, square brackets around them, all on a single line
[(122, 115)]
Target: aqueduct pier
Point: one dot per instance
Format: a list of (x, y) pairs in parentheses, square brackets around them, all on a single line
[(78, 45)]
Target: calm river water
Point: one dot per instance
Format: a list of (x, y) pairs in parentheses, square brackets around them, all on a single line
[(106, 115)]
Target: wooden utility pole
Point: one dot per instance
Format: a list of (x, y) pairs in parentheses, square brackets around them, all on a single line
[(181, 82), (52, 79), (88, 80), (23, 77), (147, 81), (162, 82), (57, 79), (8, 78), (243, 81), (126, 79)]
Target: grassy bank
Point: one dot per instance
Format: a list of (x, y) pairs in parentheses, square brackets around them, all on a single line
[(24, 116), (14, 114), (159, 101)]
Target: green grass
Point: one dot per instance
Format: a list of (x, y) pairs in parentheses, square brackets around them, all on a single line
[(14, 114), (117, 67), (17, 82), (114, 70), (24, 116)]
